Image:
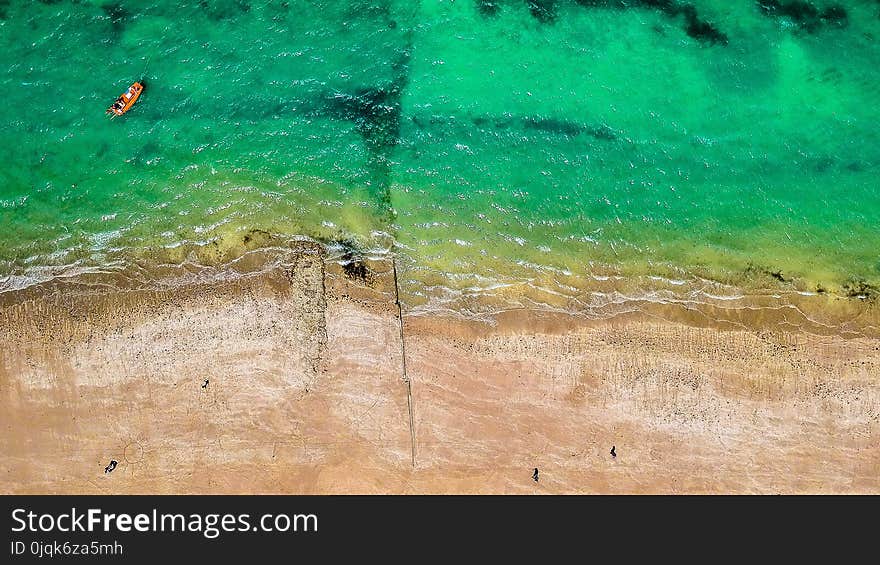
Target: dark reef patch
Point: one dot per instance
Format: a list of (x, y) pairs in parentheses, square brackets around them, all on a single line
[(278, 10), (805, 14), (225, 9), (375, 111), (373, 104), (543, 10), (702, 30), (372, 10), (117, 14), (856, 166), (488, 8)]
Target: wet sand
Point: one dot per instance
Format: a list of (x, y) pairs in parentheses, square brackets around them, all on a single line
[(306, 393)]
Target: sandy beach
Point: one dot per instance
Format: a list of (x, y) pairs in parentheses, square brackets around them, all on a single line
[(295, 379)]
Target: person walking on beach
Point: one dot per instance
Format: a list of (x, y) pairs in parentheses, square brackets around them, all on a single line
[(535, 475)]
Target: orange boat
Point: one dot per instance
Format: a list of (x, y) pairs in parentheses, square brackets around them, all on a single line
[(127, 100)]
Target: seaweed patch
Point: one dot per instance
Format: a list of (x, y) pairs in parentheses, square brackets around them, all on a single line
[(279, 10), (356, 269), (861, 289), (218, 11), (543, 10), (117, 14), (368, 9), (777, 275), (488, 8), (753, 271), (805, 14), (376, 112), (256, 236), (352, 262), (700, 29)]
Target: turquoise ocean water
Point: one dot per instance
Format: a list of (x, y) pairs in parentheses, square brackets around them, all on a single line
[(735, 141)]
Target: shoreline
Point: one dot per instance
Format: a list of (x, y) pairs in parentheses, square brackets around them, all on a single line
[(771, 304), (306, 392)]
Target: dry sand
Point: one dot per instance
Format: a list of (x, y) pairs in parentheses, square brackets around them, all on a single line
[(306, 394)]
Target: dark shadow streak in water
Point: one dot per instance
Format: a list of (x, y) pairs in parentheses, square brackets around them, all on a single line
[(545, 11), (218, 11), (565, 127), (553, 126)]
